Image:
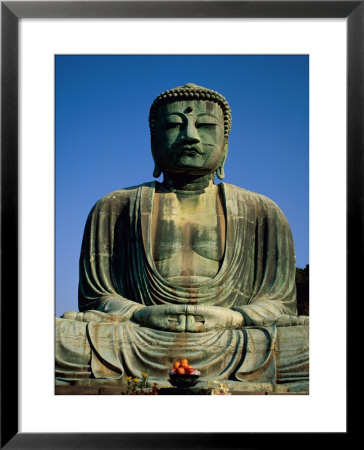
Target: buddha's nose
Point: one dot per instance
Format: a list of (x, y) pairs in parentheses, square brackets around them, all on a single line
[(190, 133)]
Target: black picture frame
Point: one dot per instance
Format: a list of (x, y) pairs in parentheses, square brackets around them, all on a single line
[(11, 12)]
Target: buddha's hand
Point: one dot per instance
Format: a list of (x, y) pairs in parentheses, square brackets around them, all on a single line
[(188, 318), (162, 317), (205, 318)]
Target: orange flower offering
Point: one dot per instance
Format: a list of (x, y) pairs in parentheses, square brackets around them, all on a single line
[(183, 368)]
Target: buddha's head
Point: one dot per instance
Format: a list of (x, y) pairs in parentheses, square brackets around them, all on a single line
[(189, 128)]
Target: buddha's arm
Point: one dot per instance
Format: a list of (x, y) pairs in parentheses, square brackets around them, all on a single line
[(114, 305), (100, 287), (274, 288), (101, 296), (263, 312)]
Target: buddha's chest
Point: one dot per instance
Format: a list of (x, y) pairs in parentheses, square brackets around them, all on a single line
[(188, 233)]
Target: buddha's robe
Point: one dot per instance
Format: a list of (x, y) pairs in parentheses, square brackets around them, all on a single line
[(256, 278)]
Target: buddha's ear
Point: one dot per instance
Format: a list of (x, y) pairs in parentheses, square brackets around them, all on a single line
[(220, 173), (157, 171), (226, 146), (152, 146)]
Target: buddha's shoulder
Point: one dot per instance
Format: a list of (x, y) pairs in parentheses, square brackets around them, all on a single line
[(121, 197), (245, 197)]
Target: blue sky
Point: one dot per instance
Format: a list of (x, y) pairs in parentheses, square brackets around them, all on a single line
[(103, 141)]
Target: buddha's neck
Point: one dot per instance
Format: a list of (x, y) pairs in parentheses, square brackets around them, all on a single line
[(187, 183)]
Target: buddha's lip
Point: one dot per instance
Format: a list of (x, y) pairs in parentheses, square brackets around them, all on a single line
[(188, 149)]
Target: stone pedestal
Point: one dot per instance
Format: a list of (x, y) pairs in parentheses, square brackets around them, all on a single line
[(117, 387), (187, 391)]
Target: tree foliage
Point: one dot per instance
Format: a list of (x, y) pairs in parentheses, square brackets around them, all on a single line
[(303, 293)]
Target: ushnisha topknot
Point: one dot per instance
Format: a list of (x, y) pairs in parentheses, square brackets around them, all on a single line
[(193, 92)]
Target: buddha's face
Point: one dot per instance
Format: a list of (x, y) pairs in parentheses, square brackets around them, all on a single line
[(189, 137)]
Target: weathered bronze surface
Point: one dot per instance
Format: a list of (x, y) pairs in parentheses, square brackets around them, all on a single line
[(185, 267)]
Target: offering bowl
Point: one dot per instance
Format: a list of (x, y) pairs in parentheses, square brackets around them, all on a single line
[(183, 381)]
